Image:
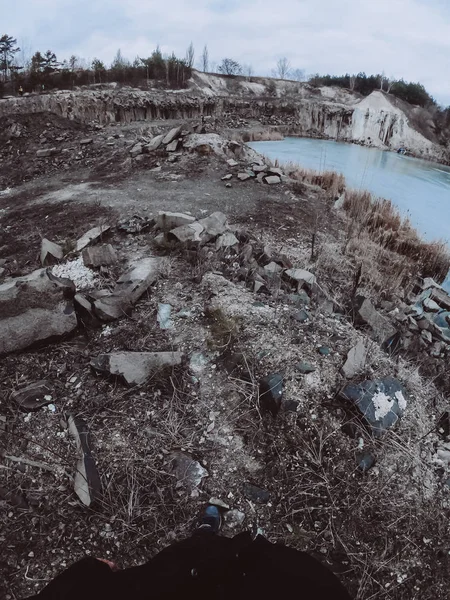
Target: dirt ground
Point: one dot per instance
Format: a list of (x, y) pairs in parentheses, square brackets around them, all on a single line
[(385, 532)]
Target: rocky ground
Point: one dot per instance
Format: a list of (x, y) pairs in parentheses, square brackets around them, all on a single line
[(170, 336)]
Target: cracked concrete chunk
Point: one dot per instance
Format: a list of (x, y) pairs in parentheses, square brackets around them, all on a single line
[(135, 367), (366, 314), (155, 143), (93, 235), (134, 282), (272, 179), (173, 133), (215, 224), (226, 240), (188, 233)]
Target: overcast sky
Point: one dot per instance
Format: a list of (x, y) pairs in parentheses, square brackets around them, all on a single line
[(404, 38)]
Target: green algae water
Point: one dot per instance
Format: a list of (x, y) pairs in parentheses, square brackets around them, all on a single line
[(420, 189)]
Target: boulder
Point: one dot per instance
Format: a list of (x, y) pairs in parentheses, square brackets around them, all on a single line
[(271, 393), (356, 360), (135, 367), (50, 252), (33, 396), (187, 233), (272, 179), (34, 309), (173, 133), (91, 236), (170, 220), (367, 315), (97, 256), (155, 143), (188, 472), (381, 402)]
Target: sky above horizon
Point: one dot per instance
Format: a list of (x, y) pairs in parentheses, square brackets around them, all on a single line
[(403, 38)]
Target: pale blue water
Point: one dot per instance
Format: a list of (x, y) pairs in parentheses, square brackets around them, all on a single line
[(420, 189)]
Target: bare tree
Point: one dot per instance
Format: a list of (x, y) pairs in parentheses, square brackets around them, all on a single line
[(352, 79), (298, 74), (382, 78), (283, 68), (205, 59), (248, 71), (228, 66), (190, 55), (390, 81)]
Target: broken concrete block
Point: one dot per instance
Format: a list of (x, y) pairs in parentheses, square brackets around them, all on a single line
[(85, 311), (170, 220), (272, 179), (97, 256), (215, 224), (187, 233), (226, 240), (35, 308), (135, 367), (93, 235), (33, 396), (356, 360), (86, 485), (173, 133), (50, 252), (155, 143), (366, 314), (111, 308)]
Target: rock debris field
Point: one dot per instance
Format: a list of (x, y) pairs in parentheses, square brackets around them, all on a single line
[(186, 346)]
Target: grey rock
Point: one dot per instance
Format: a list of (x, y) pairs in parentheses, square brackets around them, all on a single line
[(135, 367), (427, 336), (87, 485), (275, 171), (134, 282), (324, 350), (367, 315), (86, 141), (33, 396), (260, 177), (272, 268), (272, 179), (304, 368), (441, 297), (173, 133), (155, 143), (35, 308), (437, 348), (430, 305), (227, 177), (46, 152), (302, 316), (228, 185), (243, 176), (271, 393), (97, 256), (215, 224), (173, 146), (188, 472), (256, 494), (50, 252), (302, 277), (232, 163), (356, 360), (187, 233), (381, 402), (299, 300), (136, 150), (259, 168), (226, 240), (111, 308), (91, 236), (170, 220), (219, 503), (423, 324), (366, 461), (163, 316), (234, 519)]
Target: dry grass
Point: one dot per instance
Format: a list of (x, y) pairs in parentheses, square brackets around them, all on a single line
[(381, 221)]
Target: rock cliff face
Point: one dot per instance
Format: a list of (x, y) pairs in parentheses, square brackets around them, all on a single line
[(325, 112)]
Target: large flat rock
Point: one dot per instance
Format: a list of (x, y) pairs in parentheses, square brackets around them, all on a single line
[(135, 367)]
